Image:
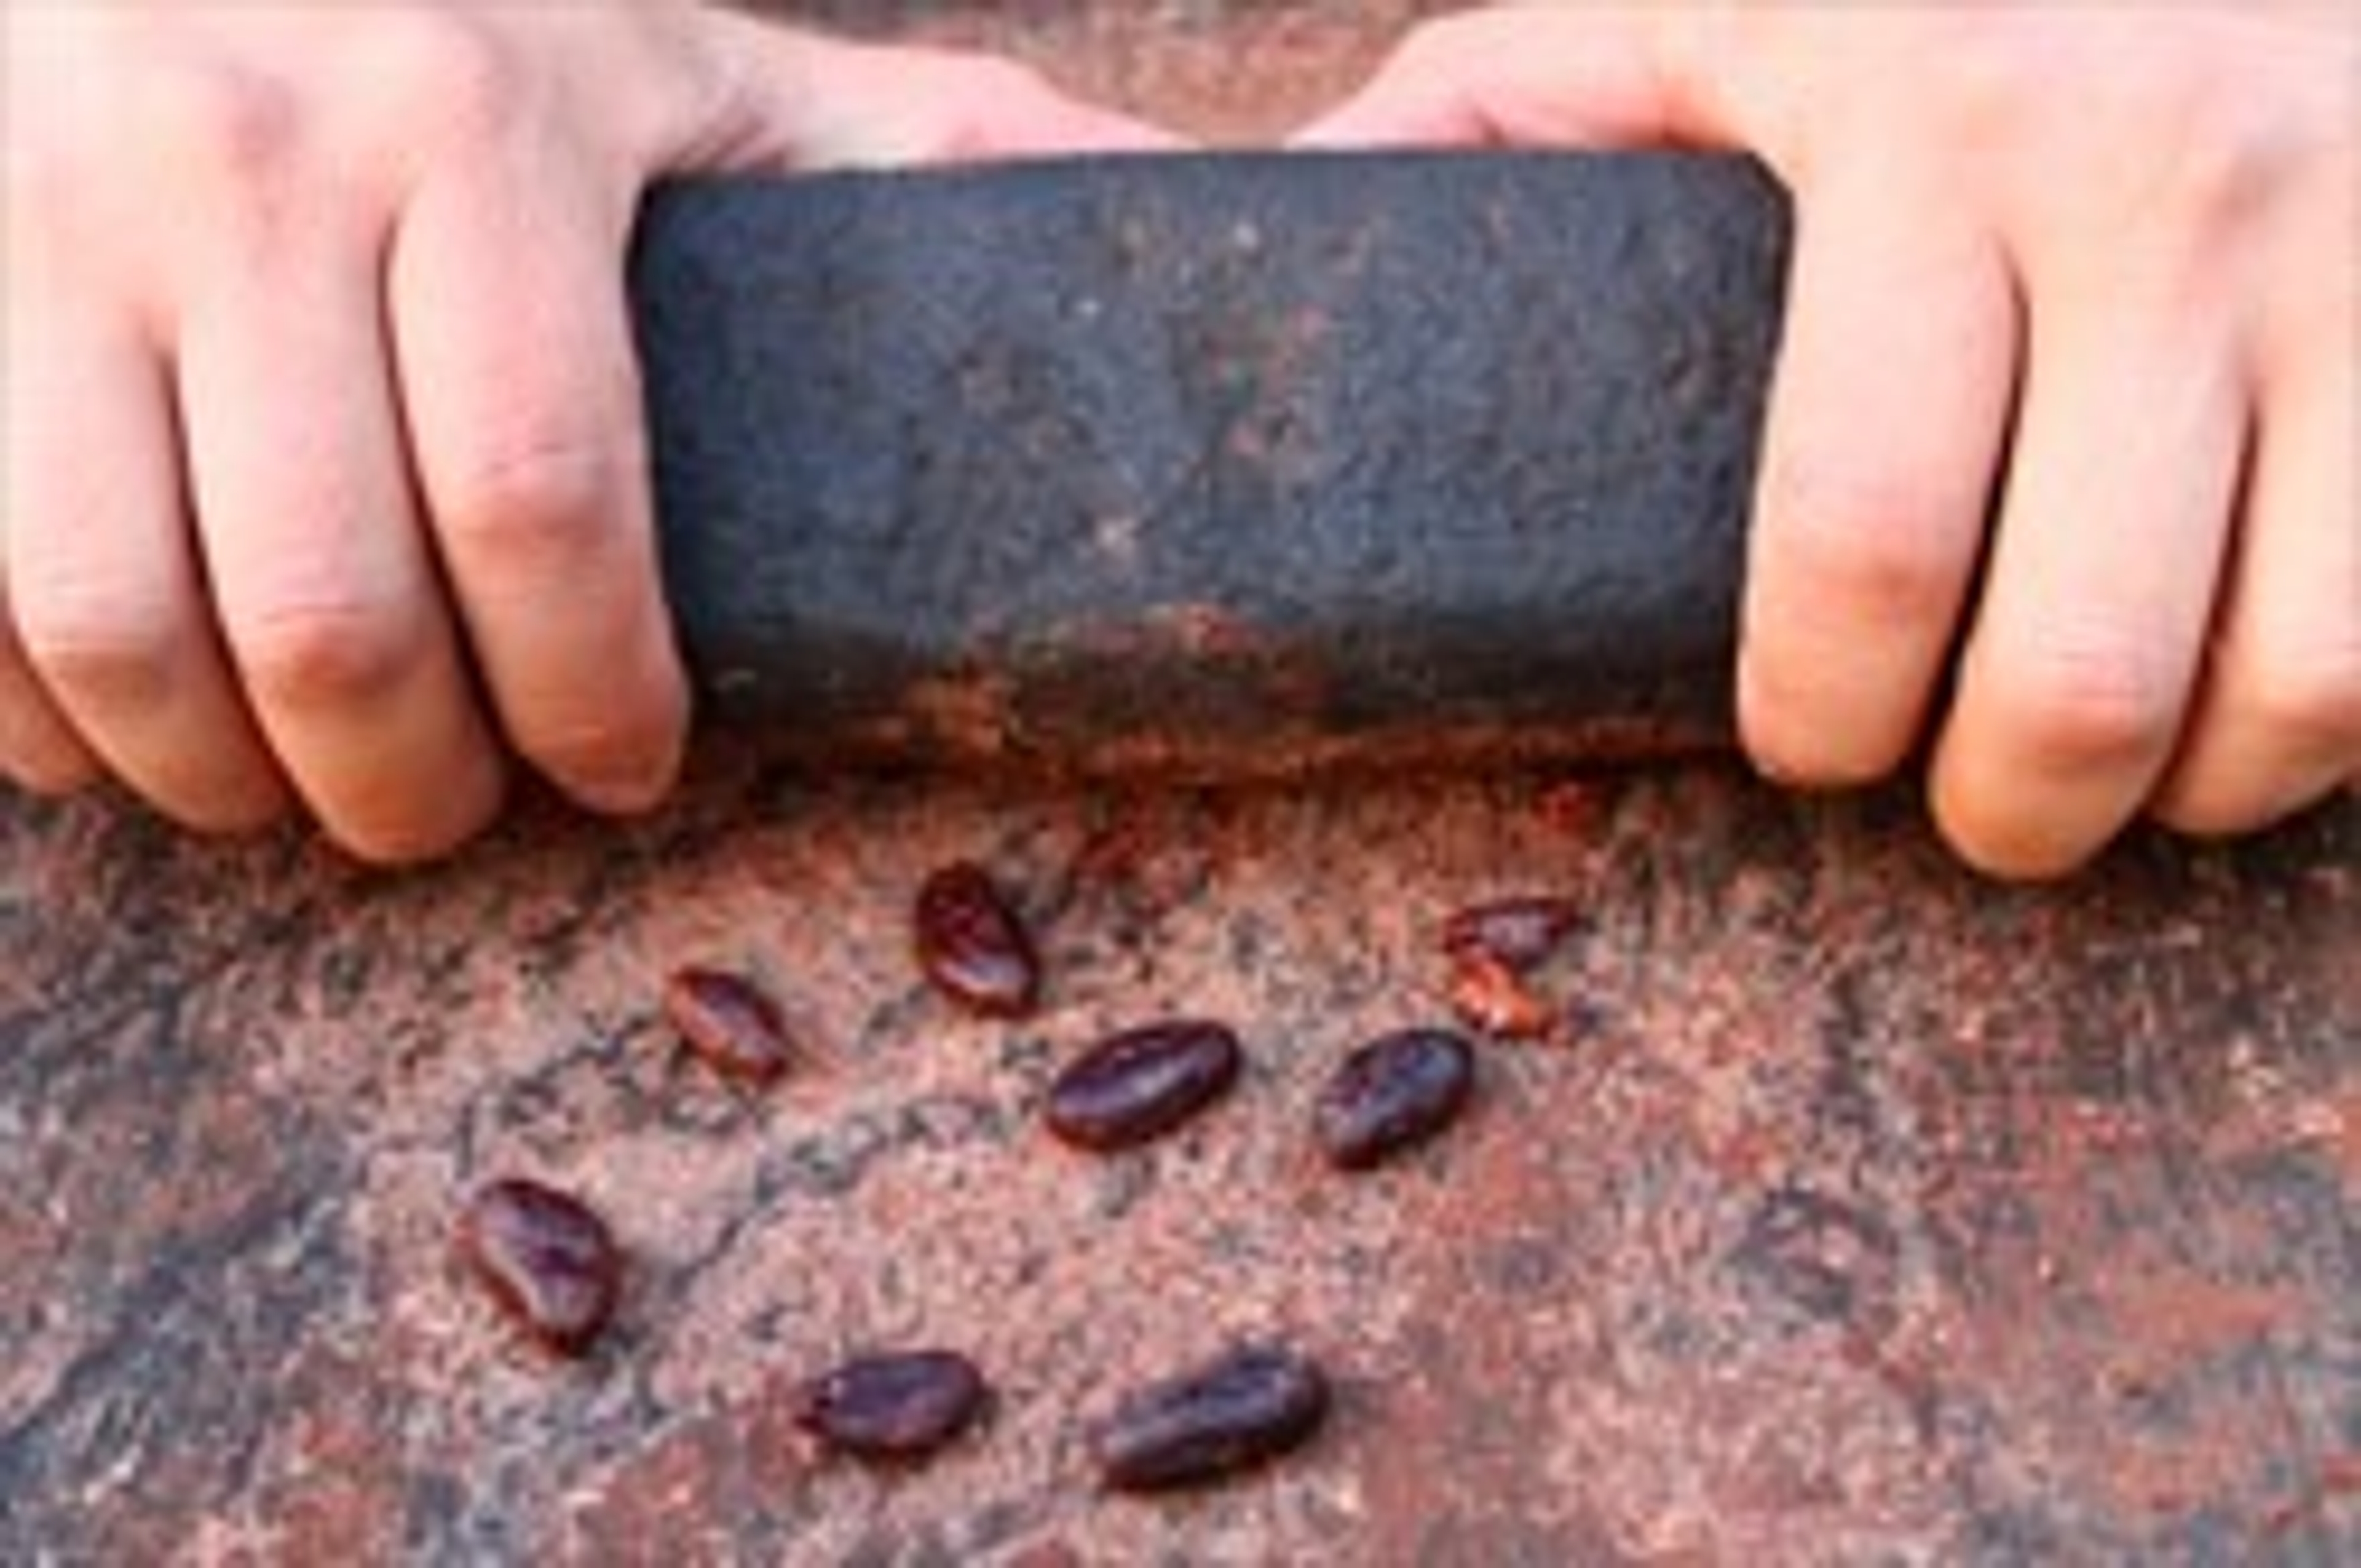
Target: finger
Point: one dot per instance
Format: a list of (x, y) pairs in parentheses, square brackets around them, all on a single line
[(821, 102), (2078, 669), (1871, 510), (322, 579), (106, 593), (523, 405), (1518, 75), (39, 749), (2278, 723)]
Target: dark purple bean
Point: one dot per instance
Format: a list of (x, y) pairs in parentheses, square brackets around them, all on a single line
[(729, 1024), (1391, 1094), (971, 946), (1519, 933), (1142, 1083), (547, 1260), (1246, 1409), (901, 1407)]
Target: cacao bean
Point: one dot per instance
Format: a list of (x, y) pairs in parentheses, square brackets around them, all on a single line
[(898, 1408), (1391, 1094), (547, 1260), (1250, 1408), (1142, 1083), (729, 1024), (971, 945)]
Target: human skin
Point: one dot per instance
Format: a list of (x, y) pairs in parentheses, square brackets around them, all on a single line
[(2063, 464), (325, 471)]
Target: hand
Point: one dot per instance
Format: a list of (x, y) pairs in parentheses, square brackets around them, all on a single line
[(325, 474), (2076, 305)]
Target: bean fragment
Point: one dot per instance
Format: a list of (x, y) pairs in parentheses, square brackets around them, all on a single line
[(1489, 996), (1519, 933), (547, 1260), (973, 947), (1142, 1083), (1250, 1408), (729, 1024), (896, 1408), (1392, 1095)]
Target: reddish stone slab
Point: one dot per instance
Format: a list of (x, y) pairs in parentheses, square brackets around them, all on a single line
[(1878, 1211)]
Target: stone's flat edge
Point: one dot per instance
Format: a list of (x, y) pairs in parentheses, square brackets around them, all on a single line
[(1215, 464)]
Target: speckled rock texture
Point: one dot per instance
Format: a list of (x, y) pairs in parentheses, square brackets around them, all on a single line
[(1862, 1212), (1220, 466), (1865, 1212)]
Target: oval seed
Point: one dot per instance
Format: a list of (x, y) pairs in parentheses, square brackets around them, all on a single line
[(1392, 1095), (900, 1406), (1250, 1408), (1139, 1084), (730, 1024), (547, 1260), (973, 947)]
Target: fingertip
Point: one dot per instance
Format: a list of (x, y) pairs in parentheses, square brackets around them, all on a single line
[(52, 771), (1791, 743), (415, 833), (633, 778), (2005, 847), (217, 796), (40, 752)]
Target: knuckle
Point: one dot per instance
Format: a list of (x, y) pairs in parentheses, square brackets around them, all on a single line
[(534, 504), (98, 650), (1868, 535), (2092, 699), (225, 123), (463, 77), (321, 655)]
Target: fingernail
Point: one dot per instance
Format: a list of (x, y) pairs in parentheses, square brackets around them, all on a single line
[(630, 790)]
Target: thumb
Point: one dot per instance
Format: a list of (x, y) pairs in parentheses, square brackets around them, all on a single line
[(1536, 75), (808, 101)]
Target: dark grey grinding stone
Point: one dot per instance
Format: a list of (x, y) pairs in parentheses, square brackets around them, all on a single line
[(1217, 464)]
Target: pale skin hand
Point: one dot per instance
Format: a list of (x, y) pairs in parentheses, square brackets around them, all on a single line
[(325, 474), (2076, 286)]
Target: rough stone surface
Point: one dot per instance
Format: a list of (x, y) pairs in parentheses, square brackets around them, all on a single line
[(1231, 72), (1874, 1214), (1217, 464)]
